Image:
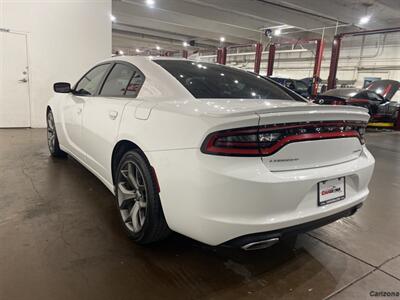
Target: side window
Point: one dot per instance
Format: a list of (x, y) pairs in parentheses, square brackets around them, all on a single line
[(373, 96), (123, 80), (135, 84), (89, 83)]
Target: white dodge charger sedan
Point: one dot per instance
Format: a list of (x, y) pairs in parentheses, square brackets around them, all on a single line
[(212, 152)]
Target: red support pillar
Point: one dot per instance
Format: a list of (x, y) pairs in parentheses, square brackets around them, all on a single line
[(223, 55), (271, 59), (334, 62), (185, 54), (257, 60), (319, 53), (218, 56)]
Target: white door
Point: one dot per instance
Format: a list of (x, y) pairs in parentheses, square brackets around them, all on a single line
[(14, 81), (102, 116), (73, 107)]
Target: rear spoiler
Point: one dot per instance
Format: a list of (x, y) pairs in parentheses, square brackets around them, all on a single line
[(314, 112)]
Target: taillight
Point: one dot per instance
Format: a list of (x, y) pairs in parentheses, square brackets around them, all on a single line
[(361, 132), (267, 140), (238, 142)]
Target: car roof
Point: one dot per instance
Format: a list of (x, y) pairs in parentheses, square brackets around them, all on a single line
[(134, 59), (157, 79)]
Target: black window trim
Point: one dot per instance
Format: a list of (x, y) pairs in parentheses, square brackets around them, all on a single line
[(115, 62), (111, 63)]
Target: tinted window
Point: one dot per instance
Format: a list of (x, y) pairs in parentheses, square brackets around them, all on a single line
[(374, 97), (89, 83), (135, 84), (301, 86), (118, 81), (205, 80)]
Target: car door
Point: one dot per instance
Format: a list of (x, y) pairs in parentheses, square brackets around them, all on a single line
[(73, 107), (102, 115)]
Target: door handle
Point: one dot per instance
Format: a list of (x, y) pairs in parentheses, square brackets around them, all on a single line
[(23, 80), (113, 114)]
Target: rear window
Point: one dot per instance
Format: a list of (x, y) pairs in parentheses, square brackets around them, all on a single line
[(205, 80)]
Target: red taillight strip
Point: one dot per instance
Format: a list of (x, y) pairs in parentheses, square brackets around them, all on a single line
[(237, 148)]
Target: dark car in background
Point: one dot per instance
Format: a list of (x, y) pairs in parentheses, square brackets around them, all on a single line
[(376, 97), (297, 86)]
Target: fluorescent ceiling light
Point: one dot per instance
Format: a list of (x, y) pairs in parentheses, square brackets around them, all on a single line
[(365, 20), (222, 39), (113, 18), (150, 3)]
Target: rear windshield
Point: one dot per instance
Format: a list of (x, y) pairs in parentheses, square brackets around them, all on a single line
[(206, 80)]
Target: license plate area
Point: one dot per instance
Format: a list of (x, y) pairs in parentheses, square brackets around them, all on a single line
[(331, 190)]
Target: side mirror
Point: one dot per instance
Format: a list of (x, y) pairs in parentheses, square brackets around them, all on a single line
[(62, 87)]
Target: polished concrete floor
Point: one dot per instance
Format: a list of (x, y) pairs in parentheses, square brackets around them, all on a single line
[(60, 239)]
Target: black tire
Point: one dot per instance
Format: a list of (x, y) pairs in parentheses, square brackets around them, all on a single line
[(141, 214), (52, 139)]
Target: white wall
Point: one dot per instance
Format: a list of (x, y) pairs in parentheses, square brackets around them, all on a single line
[(64, 39)]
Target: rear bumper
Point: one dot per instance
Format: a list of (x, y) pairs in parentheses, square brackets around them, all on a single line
[(290, 231), (216, 199)]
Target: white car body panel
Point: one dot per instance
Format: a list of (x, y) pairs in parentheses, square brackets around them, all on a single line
[(207, 197)]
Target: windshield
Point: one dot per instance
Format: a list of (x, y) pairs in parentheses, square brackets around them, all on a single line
[(206, 80), (301, 86)]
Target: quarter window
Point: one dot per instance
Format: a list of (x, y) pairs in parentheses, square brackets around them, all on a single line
[(89, 84), (123, 80), (134, 85)]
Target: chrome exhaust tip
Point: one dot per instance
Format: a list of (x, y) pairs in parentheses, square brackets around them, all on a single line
[(260, 244)]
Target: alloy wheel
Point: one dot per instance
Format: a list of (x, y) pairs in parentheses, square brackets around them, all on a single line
[(51, 132), (132, 196)]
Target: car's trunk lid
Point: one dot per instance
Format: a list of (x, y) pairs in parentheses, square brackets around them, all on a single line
[(316, 137)]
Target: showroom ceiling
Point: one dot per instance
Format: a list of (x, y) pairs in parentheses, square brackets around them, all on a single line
[(171, 22)]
